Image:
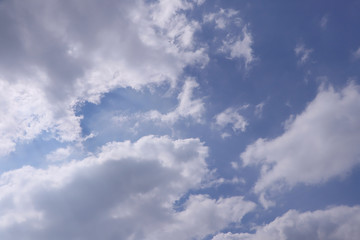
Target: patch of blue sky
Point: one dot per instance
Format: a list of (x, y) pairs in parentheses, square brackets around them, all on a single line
[(31, 153)]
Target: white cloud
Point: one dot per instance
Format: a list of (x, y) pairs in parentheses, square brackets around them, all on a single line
[(151, 172), (57, 55), (126, 191), (231, 117), (59, 154), (318, 144), (302, 53), (235, 44), (222, 18), (336, 223), (239, 46), (204, 216), (186, 108), (26, 113)]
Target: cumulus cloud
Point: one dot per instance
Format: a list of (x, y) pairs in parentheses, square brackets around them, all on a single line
[(317, 145), (58, 54), (231, 117), (126, 191), (302, 53), (335, 223)]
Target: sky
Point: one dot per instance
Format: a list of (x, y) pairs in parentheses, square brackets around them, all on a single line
[(179, 119)]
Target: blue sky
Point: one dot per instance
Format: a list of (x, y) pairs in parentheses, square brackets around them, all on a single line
[(179, 119)]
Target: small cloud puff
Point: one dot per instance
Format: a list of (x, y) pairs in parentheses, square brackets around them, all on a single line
[(231, 117), (239, 46)]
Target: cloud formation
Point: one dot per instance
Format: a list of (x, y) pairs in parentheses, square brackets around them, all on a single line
[(336, 223), (231, 117), (187, 107), (56, 55), (239, 46), (127, 190), (318, 144)]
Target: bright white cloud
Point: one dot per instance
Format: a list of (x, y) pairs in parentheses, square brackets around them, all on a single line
[(59, 54), (26, 113), (126, 191), (231, 117), (318, 144), (336, 223), (302, 53)]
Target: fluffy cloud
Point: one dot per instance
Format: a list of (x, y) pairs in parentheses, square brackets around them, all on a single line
[(126, 191), (335, 223), (58, 54), (318, 144), (204, 216), (232, 117)]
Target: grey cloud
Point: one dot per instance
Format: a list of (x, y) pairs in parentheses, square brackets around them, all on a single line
[(127, 191), (67, 52)]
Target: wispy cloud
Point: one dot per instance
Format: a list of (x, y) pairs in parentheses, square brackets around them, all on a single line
[(302, 53)]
